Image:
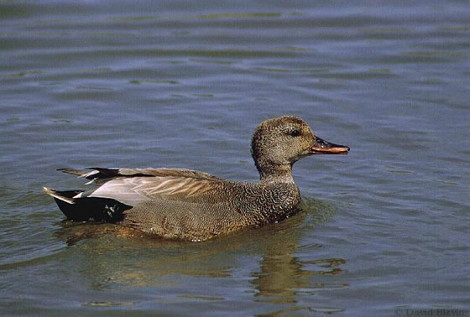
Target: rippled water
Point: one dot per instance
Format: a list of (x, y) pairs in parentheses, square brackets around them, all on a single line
[(183, 84)]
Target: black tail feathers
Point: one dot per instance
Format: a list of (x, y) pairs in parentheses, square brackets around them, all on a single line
[(88, 208)]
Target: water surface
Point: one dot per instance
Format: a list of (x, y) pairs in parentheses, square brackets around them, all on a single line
[(183, 84)]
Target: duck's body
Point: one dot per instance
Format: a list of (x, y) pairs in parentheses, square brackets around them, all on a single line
[(192, 205)]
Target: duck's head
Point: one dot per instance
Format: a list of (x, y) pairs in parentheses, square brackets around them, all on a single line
[(279, 142)]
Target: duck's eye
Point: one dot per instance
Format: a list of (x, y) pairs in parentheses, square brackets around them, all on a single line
[(295, 132)]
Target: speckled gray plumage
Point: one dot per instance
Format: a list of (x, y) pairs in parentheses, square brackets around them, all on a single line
[(229, 206), (192, 205)]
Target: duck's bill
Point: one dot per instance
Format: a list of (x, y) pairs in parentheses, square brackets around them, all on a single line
[(324, 147)]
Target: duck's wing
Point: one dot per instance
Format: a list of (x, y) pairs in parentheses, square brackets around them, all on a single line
[(135, 186)]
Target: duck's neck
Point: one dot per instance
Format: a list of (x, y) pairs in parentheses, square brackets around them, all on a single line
[(276, 174)]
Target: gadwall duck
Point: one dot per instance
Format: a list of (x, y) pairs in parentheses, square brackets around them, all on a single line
[(192, 205)]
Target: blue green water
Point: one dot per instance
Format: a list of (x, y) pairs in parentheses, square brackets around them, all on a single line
[(183, 84)]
